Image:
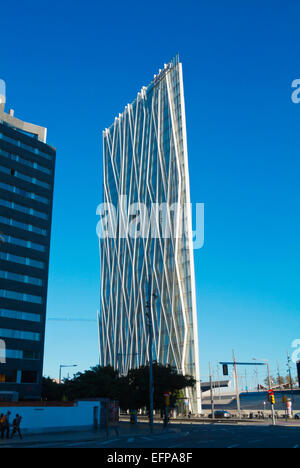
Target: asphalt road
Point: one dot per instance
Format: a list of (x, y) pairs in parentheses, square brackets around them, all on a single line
[(187, 437)]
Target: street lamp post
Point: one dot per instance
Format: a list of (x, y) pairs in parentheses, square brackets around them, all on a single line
[(64, 366), (238, 401), (211, 393), (290, 376)]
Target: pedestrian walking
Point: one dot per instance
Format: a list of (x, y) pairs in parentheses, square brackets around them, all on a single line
[(5, 426), (16, 426), (2, 421)]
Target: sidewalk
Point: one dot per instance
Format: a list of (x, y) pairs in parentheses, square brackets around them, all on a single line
[(125, 430)]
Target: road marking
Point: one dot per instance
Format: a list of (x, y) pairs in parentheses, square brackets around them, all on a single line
[(233, 446), (146, 438), (109, 441), (255, 441), (130, 440), (81, 442), (43, 445), (206, 441)]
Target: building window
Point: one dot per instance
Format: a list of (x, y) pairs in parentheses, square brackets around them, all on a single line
[(31, 180), (16, 296), (24, 243), (18, 315), (20, 278), (32, 355), (25, 227), (22, 260), (26, 162), (19, 334), (24, 193), (23, 209), (9, 376), (20, 354), (29, 377)]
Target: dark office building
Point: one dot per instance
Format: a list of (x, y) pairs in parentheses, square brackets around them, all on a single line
[(27, 166)]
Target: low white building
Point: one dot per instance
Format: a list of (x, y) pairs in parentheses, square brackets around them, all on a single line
[(45, 417)]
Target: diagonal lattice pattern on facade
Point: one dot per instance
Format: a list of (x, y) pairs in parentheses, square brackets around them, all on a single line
[(145, 159)]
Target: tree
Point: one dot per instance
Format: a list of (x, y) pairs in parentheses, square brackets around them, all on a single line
[(280, 381), (290, 381), (98, 382), (272, 381), (134, 388), (51, 390)]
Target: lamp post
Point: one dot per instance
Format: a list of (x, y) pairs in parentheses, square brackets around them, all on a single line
[(290, 376), (64, 366), (236, 377), (211, 393)]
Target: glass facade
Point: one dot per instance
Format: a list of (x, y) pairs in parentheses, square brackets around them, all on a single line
[(27, 166), (145, 159)]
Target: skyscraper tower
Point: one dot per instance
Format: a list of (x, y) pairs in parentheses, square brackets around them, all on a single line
[(145, 162), (27, 166)]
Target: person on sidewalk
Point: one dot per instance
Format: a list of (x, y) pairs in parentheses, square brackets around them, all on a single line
[(2, 421), (16, 426), (5, 427)]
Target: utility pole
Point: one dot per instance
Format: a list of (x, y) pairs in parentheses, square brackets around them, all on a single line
[(246, 381), (256, 378), (290, 375), (211, 393), (238, 403), (278, 375), (150, 352), (219, 379)]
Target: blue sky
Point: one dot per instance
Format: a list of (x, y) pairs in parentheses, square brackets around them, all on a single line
[(73, 65)]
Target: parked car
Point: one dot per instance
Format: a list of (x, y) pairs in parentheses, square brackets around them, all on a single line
[(221, 415), (297, 416)]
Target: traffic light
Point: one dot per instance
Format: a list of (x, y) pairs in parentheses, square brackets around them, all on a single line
[(273, 399), (167, 398), (225, 369)]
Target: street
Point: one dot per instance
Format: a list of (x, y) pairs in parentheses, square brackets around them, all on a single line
[(184, 436)]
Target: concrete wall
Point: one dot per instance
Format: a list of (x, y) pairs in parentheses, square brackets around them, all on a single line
[(42, 419)]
